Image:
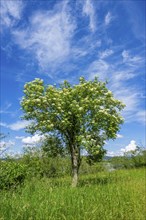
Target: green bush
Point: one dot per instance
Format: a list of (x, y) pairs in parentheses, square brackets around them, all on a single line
[(131, 160), (140, 159), (91, 169), (12, 174), (39, 164)]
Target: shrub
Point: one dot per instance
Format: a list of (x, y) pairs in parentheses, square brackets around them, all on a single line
[(12, 174), (40, 164)]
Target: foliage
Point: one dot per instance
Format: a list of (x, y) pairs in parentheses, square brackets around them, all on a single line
[(52, 146), (12, 174), (137, 156), (83, 115), (94, 157), (40, 164), (35, 163), (131, 159)]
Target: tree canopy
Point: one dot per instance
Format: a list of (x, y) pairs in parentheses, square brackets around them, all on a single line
[(83, 115)]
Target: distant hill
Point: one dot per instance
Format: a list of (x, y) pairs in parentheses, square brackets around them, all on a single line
[(107, 157)]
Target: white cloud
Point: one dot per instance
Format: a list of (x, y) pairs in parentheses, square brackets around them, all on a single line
[(10, 12), (6, 144), (130, 60), (3, 124), (33, 140), (114, 153), (48, 35), (88, 10), (16, 126), (129, 97), (105, 53), (85, 46), (98, 68), (132, 112), (110, 153), (119, 75), (119, 136), (124, 75), (130, 147), (141, 116), (108, 18), (19, 137)]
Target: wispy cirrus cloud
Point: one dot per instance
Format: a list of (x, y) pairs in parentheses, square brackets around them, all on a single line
[(138, 116), (131, 60), (11, 12), (130, 96), (123, 76), (105, 53), (98, 68), (119, 73), (48, 36), (141, 116), (136, 19), (108, 18), (88, 10), (5, 108)]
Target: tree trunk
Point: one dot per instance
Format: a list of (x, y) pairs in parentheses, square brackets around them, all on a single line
[(74, 149), (74, 171), (75, 165)]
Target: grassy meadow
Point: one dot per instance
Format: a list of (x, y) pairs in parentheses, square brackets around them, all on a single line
[(116, 195)]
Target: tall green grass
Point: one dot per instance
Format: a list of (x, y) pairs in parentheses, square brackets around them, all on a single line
[(117, 195)]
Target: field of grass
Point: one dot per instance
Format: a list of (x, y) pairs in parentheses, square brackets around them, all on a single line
[(117, 195)]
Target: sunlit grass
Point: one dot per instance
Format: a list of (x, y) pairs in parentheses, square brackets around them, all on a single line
[(105, 196)]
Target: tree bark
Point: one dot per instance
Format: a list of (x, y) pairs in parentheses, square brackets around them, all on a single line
[(76, 161), (74, 171), (75, 155)]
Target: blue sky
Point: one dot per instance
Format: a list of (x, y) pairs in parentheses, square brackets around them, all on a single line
[(57, 40)]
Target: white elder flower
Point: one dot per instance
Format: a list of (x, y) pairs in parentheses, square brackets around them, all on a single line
[(81, 108)]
